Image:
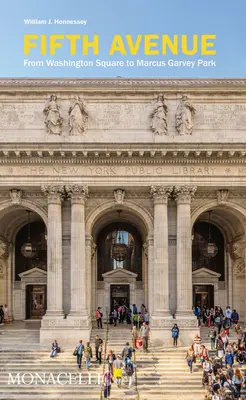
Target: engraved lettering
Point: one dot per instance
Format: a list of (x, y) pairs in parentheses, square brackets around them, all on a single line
[(159, 170)]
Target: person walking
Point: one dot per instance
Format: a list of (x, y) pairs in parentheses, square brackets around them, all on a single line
[(213, 338), (99, 316), (197, 345), (110, 359), (189, 358), (145, 332), (130, 369), (134, 337), (115, 316), (1, 315), (146, 317), (54, 349), (79, 348), (107, 379), (175, 335), (117, 368), (235, 317), (88, 355), (6, 314), (98, 342), (100, 351), (238, 380), (228, 314), (229, 359), (127, 353)]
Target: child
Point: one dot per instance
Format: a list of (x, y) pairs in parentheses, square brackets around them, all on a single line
[(140, 343)]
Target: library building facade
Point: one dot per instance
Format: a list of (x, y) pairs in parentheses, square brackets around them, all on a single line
[(116, 191)]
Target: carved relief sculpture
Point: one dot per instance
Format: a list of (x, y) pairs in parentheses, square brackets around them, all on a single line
[(78, 116), (237, 250), (159, 117), (222, 196), (119, 196), (184, 117), (15, 196), (53, 120)]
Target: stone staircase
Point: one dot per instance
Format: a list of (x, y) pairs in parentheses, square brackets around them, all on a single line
[(161, 373)]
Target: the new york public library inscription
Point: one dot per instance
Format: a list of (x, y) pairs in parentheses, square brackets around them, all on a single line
[(122, 170)]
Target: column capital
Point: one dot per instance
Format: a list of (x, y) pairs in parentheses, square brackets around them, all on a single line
[(161, 193), (77, 193), (54, 193), (184, 193)]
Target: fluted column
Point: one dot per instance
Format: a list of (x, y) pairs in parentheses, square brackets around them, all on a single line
[(78, 195), (88, 251), (160, 284), (54, 195), (183, 196), (151, 289)]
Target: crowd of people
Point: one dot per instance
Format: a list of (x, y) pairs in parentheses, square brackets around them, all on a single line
[(223, 372)]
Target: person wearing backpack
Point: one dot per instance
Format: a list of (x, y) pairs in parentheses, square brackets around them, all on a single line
[(99, 316), (127, 353), (88, 355), (79, 352), (230, 387), (130, 369), (175, 335)]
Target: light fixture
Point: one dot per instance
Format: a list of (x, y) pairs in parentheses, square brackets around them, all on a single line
[(212, 249), (28, 250), (119, 248)]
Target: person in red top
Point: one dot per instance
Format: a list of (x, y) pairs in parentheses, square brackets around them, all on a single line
[(99, 316)]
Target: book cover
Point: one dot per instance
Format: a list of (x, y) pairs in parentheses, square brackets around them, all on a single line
[(122, 199)]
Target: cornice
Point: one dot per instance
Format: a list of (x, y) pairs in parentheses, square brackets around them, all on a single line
[(117, 154), (100, 84), (120, 82)]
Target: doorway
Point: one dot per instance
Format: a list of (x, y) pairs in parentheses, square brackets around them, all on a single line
[(203, 296), (36, 301), (119, 295)]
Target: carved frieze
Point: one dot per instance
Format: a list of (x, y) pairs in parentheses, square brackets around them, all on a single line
[(53, 120), (78, 117), (184, 117), (159, 117)]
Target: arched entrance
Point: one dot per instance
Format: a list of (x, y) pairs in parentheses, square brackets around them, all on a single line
[(218, 259), (119, 277), (23, 268)]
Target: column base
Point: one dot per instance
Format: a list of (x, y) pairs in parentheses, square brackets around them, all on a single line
[(67, 331), (161, 330)]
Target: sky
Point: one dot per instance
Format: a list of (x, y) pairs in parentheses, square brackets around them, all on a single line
[(224, 18)]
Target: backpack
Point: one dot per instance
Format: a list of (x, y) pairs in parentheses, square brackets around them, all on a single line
[(129, 369), (233, 389)]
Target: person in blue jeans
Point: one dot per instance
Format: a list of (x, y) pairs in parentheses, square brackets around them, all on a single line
[(54, 349), (80, 348)]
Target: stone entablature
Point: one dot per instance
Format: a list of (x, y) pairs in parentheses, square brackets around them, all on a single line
[(202, 111)]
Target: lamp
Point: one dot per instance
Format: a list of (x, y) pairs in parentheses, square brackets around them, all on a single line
[(28, 250), (212, 249), (119, 248)]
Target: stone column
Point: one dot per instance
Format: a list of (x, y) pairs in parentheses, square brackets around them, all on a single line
[(79, 301), (160, 274), (183, 196), (54, 195), (151, 290), (88, 253)]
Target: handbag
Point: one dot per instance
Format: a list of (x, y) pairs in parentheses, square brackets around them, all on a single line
[(75, 353)]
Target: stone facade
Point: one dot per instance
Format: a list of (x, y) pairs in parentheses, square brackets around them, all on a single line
[(97, 146)]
